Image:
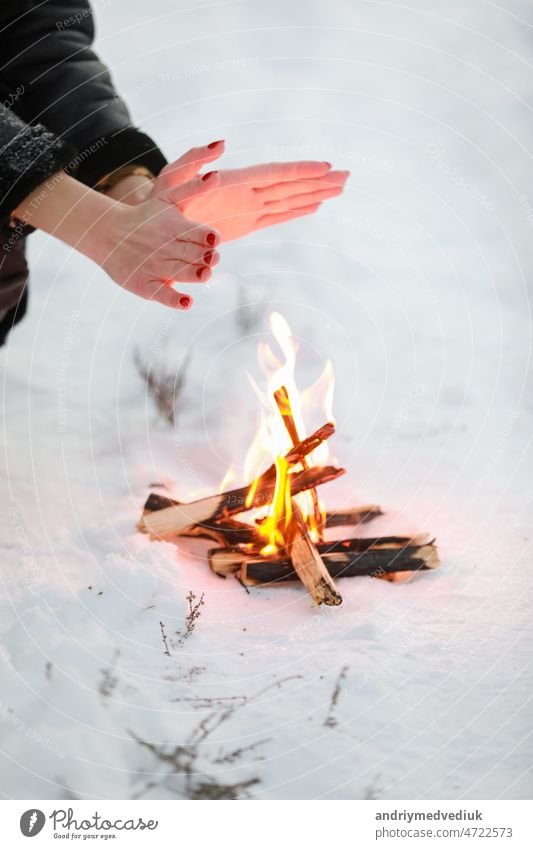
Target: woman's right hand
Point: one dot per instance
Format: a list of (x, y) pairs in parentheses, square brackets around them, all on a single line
[(147, 247)]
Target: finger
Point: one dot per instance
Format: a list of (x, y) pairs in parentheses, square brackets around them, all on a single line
[(277, 191), (194, 254), (276, 172), (200, 234), (298, 201), (281, 217), (188, 165), (184, 272), (179, 195), (157, 290)]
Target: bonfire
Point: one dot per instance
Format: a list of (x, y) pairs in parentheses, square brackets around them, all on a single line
[(274, 529)]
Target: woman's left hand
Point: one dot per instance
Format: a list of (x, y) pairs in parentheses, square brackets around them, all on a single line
[(248, 199)]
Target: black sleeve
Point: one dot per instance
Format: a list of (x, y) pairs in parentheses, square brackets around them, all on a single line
[(28, 156), (47, 49)]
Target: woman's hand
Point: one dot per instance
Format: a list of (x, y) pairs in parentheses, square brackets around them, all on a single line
[(150, 245), (246, 199), (145, 248)]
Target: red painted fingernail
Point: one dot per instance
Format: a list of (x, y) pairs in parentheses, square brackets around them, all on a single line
[(185, 302), (208, 175), (200, 272), (214, 144), (208, 257), (211, 238)]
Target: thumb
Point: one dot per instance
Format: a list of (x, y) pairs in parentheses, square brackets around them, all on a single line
[(187, 166)]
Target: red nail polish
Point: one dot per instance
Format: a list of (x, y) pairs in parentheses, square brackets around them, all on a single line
[(185, 302), (208, 257), (200, 272), (214, 144), (208, 175), (211, 239)]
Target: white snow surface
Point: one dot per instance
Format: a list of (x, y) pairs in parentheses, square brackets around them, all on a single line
[(416, 283)]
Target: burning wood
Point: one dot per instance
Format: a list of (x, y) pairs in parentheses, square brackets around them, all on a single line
[(375, 557), (177, 517), (281, 397), (232, 532), (283, 536), (308, 563), (207, 511)]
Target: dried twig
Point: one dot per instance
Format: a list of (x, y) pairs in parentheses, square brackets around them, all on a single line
[(164, 387), (109, 681), (165, 640), (192, 616), (330, 720), (183, 760)]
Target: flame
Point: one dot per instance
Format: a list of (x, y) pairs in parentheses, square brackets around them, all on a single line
[(280, 511), (273, 439), (228, 479)]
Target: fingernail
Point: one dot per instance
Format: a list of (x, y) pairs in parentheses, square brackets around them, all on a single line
[(211, 238), (328, 164), (185, 302), (200, 272), (208, 257), (214, 144), (208, 175)]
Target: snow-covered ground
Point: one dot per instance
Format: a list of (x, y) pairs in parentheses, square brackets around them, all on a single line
[(416, 284)]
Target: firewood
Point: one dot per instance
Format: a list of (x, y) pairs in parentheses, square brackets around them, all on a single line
[(343, 558), (307, 562), (174, 519), (352, 516), (281, 397), (230, 532), (334, 518), (225, 533), (299, 451)]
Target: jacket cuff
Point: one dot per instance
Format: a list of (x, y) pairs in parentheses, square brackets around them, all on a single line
[(125, 147), (29, 158)]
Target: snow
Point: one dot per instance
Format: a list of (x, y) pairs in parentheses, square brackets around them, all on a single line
[(416, 283)]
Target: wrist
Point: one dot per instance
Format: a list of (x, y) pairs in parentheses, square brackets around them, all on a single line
[(104, 237), (132, 189)]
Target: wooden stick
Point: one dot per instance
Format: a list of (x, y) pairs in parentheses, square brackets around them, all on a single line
[(307, 562), (206, 512), (174, 519), (281, 397), (334, 518), (343, 558), (353, 516), (231, 532)]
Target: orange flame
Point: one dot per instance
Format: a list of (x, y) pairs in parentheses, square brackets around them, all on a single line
[(272, 439)]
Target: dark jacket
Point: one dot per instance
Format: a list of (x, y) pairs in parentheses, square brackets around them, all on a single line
[(59, 107), (58, 110)]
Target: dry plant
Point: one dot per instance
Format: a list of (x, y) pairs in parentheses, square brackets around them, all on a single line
[(164, 638), (190, 760), (247, 315), (192, 616), (109, 680), (163, 386), (331, 720), (190, 623)]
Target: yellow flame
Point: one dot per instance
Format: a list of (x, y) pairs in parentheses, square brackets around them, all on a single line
[(279, 512), (272, 439), (228, 479)]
